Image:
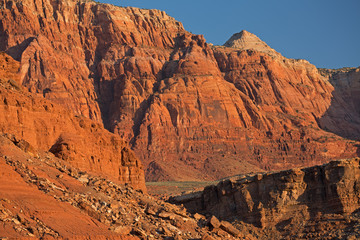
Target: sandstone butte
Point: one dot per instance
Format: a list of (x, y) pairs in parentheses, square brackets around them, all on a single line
[(189, 110)]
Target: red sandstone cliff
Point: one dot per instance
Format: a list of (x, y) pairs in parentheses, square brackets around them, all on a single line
[(60, 44), (46, 126), (189, 110)]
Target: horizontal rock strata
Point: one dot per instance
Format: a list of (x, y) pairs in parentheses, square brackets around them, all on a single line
[(291, 202)]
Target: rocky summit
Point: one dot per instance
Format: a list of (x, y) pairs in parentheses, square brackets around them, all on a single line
[(245, 40), (95, 98)]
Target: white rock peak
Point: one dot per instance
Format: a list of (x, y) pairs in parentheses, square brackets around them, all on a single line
[(245, 40)]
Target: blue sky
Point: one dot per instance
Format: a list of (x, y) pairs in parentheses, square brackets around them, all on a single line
[(326, 33)]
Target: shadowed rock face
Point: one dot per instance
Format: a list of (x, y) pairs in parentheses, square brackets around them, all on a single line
[(343, 116), (291, 201), (189, 111)]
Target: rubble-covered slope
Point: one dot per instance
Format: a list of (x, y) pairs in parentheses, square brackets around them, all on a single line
[(44, 197)]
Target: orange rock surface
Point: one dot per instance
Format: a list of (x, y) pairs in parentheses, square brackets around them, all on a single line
[(50, 127), (42, 196), (88, 89), (190, 111)]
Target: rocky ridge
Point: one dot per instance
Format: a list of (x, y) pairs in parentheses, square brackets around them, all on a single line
[(318, 202), (73, 197)]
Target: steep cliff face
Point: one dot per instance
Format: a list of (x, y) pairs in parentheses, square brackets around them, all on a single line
[(296, 202), (60, 44), (47, 126), (215, 104), (190, 111), (343, 116)]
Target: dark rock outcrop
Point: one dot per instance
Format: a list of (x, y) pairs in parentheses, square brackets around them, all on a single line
[(291, 201), (343, 116)]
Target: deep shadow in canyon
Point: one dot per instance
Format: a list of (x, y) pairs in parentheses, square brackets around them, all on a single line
[(343, 116)]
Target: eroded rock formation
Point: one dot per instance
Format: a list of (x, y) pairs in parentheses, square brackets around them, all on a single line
[(190, 111), (315, 202), (47, 126)]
